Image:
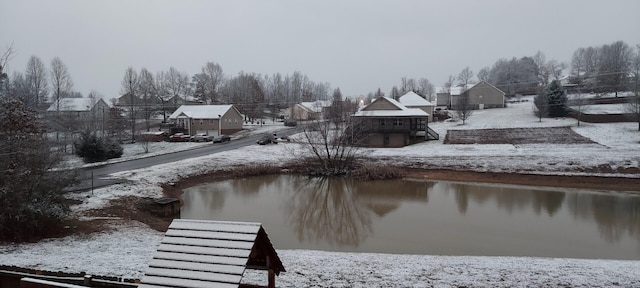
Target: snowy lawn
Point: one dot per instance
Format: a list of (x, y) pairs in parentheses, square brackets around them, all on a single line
[(125, 250)]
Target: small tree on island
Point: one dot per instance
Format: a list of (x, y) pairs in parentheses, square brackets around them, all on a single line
[(330, 143)]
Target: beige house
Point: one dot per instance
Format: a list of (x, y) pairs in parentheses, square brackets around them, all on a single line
[(413, 100), (209, 119), (310, 110), (387, 123), (481, 96)]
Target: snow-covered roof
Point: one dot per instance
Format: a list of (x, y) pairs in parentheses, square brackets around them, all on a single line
[(202, 253), (74, 104), (201, 111), (401, 110), (411, 99), (316, 106)]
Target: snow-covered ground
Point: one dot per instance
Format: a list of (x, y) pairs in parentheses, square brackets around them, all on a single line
[(125, 250)]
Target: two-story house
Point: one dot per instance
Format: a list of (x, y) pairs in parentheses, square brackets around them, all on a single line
[(387, 123)]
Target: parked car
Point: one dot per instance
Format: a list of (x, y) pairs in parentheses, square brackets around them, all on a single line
[(267, 139), (222, 138), (202, 137), (290, 122), (285, 138), (180, 137)]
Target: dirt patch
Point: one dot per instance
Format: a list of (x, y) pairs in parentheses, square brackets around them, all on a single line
[(550, 135), (129, 208)]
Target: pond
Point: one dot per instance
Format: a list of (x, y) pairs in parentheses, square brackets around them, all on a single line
[(426, 217)]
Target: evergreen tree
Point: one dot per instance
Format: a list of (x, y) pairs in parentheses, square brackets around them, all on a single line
[(557, 99), (31, 192)]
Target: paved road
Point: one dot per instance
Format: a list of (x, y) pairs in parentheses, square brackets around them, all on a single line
[(96, 176)]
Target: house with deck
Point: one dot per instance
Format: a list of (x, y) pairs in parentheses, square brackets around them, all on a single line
[(387, 123), (208, 119)]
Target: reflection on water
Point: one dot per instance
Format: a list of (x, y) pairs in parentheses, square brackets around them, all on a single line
[(328, 210), (419, 217)]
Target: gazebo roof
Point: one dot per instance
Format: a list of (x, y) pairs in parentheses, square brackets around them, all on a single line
[(200, 253)]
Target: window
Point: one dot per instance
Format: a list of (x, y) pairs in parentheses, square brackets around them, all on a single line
[(383, 122), (398, 123)]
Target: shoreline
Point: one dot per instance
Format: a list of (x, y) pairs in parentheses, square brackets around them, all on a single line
[(619, 184), (594, 182)]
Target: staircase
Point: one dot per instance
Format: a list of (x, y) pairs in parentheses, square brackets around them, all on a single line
[(432, 135)]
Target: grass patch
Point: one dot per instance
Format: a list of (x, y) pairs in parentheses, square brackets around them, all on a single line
[(370, 172)]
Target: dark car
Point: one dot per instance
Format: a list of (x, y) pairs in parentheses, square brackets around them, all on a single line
[(290, 122), (267, 139), (222, 138)]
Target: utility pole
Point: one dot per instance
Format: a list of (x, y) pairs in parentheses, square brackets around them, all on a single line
[(133, 115)]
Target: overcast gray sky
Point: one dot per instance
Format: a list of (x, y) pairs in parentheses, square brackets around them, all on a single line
[(355, 45)]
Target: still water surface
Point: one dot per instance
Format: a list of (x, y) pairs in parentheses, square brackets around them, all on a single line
[(424, 217)]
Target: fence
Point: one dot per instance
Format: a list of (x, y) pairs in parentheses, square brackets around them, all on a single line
[(10, 277)]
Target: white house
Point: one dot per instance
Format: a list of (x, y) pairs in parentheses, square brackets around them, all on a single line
[(413, 100)]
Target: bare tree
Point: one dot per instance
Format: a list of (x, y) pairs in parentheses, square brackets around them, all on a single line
[(464, 108), (404, 85), (541, 71), (483, 74), (245, 92), (580, 104), (146, 91), (633, 105), (330, 147), (129, 88), (578, 64), (214, 78), (162, 92), (5, 57), (61, 83), (450, 82), (395, 93), (466, 77), (36, 76), (426, 89), (613, 66), (177, 84), (555, 69)]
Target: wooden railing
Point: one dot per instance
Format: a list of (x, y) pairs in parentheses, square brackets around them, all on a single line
[(432, 135)]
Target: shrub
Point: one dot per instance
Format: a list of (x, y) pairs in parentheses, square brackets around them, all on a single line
[(94, 149), (113, 149)]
